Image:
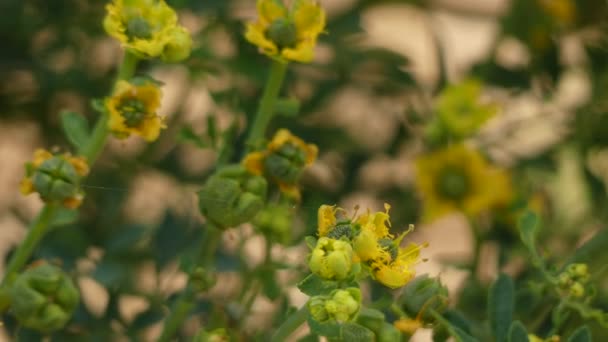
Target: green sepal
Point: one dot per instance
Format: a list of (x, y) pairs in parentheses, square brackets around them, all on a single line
[(76, 128)]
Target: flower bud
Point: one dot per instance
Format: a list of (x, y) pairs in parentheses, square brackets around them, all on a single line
[(56, 178), (577, 290), (179, 46), (423, 294), (43, 298), (275, 222), (232, 196), (340, 306), (578, 271), (331, 259)]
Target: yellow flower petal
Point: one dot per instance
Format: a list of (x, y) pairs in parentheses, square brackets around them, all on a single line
[(309, 19), (326, 218), (255, 35), (254, 162), (407, 325), (271, 10)]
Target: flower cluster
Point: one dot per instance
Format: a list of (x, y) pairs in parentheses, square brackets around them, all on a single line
[(56, 178), (283, 161), (373, 246), (339, 306), (460, 178), (573, 281), (132, 109), (287, 34), (148, 29)]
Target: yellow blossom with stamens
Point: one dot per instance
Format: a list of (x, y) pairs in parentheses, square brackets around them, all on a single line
[(460, 178), (287, 34), (283, 161), (132, 109), (148, 28), (398, 271)]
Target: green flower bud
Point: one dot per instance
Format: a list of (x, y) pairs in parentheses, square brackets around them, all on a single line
[(421, 295), (339, 306), (331, 259), (56, 179), (286, 164), (578, 271), (217, 335), (275, 222), (577, 290), (179, 46), (232, 196), (43, 298)]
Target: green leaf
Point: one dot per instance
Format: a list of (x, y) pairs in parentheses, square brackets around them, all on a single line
[(329, 330), (582, 334), (528, 225), (353, 332), (313, 285), (517, 332), (287, 107), (311, 242), (76, 128), (500, 306), (371, 318), (271, 287), (459, 334), (187, 135)]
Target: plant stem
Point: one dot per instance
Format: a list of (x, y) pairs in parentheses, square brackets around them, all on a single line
[(291, 324), (37, 230), (100, 133), (187, 299), (267, 105)]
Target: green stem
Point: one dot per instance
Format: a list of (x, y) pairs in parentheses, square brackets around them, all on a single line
[(267, 105), (291, 324), (187, 299), (100, 133)]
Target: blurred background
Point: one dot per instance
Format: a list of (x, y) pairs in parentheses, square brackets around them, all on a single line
[(364, 101)]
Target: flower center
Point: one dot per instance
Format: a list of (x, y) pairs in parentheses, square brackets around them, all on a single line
[(390, 247), (138, 27), (453, 183), (283, 33), (133, 111)]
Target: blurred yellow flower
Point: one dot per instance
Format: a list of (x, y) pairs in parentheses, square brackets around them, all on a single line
[(408, 325), (283, 161), (563, 11), (288, 35), (459, 178), (148, 28), (132, 109), (459, 108)]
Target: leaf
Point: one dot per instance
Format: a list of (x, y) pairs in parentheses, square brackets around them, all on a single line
[(517, 332), (311, 242), (271, 287), (582, 334), (500, 306), (76, 128), (212, 130), (329, 330), (313, 285), (356, 333), (528, 225), (371, 318), (459, 334)]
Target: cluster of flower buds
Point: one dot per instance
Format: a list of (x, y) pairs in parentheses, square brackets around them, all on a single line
[(339, 306), (232, 196), (574, 279), (56, 178), (43, 298)]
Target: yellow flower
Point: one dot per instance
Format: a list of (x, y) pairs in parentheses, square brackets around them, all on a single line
[(408, 325), (56, 178), (398, 271), (326, 219), (287, 34), (460, 111), (459, 178), (132, 110), (283, 161), (148, 28)]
